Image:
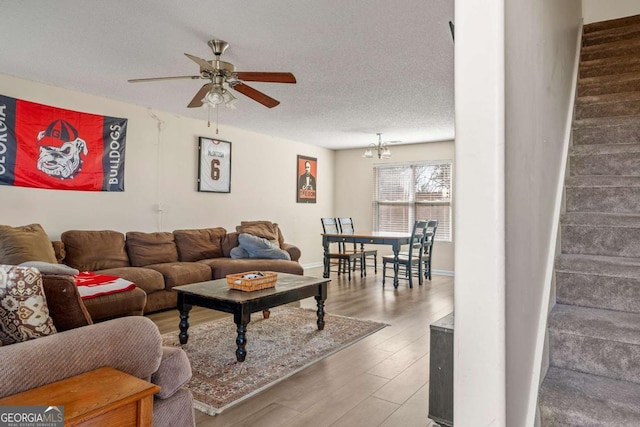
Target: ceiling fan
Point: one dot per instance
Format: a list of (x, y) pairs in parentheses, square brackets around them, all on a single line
[(222, 76)]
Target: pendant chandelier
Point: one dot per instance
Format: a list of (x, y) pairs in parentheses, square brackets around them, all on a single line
[(381, 148)]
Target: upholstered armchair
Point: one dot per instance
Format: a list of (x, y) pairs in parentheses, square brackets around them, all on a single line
[(58, 341)]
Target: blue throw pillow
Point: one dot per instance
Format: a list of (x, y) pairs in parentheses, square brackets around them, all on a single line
[(257, 247), (238, 253)]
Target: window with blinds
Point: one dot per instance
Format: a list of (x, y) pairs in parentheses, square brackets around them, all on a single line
[(406, 192)]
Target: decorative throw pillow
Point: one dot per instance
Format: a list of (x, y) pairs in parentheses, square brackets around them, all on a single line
[(258, 247), (49, 268), (25, 243), (266, 229), (24, 314), (238, 253)]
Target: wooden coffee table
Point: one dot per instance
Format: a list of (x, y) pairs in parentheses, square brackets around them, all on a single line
[(216, 295)]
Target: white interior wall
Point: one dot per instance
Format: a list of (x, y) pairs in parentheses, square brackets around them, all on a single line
[(541, 42), (598, 10), (161, 171), (354, 189), (479, 344)]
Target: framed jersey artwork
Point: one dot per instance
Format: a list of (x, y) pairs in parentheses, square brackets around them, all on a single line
[(214, 166)]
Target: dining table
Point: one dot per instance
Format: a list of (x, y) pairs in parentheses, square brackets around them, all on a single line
[(392, 238)]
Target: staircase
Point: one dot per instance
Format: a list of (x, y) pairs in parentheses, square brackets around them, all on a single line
[(594, 329)]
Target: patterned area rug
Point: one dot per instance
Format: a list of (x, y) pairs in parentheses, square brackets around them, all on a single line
[(277, 347)]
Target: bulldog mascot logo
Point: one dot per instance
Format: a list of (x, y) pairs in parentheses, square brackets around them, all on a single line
[(61, 150)]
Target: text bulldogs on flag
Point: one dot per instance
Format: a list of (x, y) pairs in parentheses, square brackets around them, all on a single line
[(49, 147)]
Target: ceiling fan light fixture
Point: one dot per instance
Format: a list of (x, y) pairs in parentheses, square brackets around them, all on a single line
[(214, 97), (229, 99)]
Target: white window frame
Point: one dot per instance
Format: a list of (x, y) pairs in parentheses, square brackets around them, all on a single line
[(407, 172)]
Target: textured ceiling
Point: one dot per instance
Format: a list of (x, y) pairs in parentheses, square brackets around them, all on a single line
[(362, 66)]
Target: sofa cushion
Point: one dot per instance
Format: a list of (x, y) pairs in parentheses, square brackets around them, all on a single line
[(120, 304), (65, 305), (25, 243), (147, 279), (182, 273), (151, 248), (223, 266), (229, 241), (258, 247), (197, 244), (58, 249), (94, 250), (24, 314)]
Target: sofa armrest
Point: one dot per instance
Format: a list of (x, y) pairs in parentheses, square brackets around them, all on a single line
[(65, 305), (129, 344), (173, 373), (293, 250)]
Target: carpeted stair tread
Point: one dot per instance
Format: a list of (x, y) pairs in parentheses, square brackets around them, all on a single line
[(611, 35), (599, 290), (604, 122), (603, 181), (608, 98), (616, 48), (611, 199), (614, 160), (626, 21), (597, 233), (603, 149), (574, 399), (610, 65), (595, 341), (599, 265), (609, 105), (596, 323), (618, 77), (614, 83), (601, 219)]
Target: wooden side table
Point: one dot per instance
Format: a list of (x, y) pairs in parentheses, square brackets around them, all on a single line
[(104, 397)]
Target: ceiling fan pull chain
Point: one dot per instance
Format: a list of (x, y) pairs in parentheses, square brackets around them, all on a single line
[(217, 119)]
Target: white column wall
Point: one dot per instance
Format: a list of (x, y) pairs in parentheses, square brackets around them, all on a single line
[(479, 340)]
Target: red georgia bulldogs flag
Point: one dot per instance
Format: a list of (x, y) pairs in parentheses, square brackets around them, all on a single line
[(48, 147)]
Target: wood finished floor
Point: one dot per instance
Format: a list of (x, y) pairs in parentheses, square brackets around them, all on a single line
[(382, 380)]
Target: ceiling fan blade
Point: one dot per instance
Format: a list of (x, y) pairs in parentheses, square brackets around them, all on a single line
[(197, 100), (201, 62), (152, 79), (258, 76), (256, 95)]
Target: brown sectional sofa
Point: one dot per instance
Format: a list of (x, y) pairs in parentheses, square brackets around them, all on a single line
[(156, 262)]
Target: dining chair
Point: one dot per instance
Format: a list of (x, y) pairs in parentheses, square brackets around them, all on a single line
[(330, 226), (346, 226), (409, 263), (427, 251)]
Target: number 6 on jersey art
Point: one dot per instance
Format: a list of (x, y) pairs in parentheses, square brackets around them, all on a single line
[(214, 167)]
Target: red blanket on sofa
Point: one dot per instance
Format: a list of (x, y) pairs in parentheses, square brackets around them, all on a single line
[(91, 285)]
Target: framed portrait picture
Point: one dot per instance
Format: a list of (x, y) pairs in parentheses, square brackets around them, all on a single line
[(307, 168), (214, 166)]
